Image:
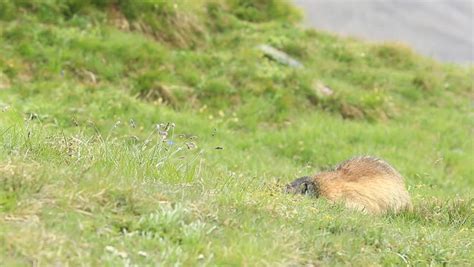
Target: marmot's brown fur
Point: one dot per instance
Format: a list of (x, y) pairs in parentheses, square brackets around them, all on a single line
[(362, 183)]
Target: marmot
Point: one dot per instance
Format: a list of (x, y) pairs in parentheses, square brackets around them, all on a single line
[(363, 183)]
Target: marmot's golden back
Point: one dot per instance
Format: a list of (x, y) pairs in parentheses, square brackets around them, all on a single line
[(362, 183), (358, 167)]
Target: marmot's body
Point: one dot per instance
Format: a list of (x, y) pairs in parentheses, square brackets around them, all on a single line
[(363, 183)]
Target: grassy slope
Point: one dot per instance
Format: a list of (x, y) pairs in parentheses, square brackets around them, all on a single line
[(85, 177)]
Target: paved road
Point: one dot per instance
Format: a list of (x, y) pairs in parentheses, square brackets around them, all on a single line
[(443, 29)]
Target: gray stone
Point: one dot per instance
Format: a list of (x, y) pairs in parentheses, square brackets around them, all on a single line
[(279, 56)]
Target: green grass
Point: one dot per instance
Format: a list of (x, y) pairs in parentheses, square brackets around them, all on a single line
[(156, 133)]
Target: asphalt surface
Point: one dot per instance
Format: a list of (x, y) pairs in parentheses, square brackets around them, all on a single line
[(443, 29)]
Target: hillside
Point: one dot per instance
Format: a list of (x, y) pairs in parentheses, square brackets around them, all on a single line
[(158, 132)]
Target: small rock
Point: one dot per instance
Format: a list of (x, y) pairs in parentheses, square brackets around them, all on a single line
[(279, 56), (319, 91), (143, 254), (323, 90), (110, 249)]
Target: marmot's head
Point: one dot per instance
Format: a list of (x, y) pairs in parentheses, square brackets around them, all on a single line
[(304, 185)]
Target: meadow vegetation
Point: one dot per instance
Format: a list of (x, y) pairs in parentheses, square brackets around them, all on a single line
[(156, 133)]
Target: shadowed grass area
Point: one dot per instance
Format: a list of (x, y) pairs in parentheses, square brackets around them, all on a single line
[(155, 132)]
